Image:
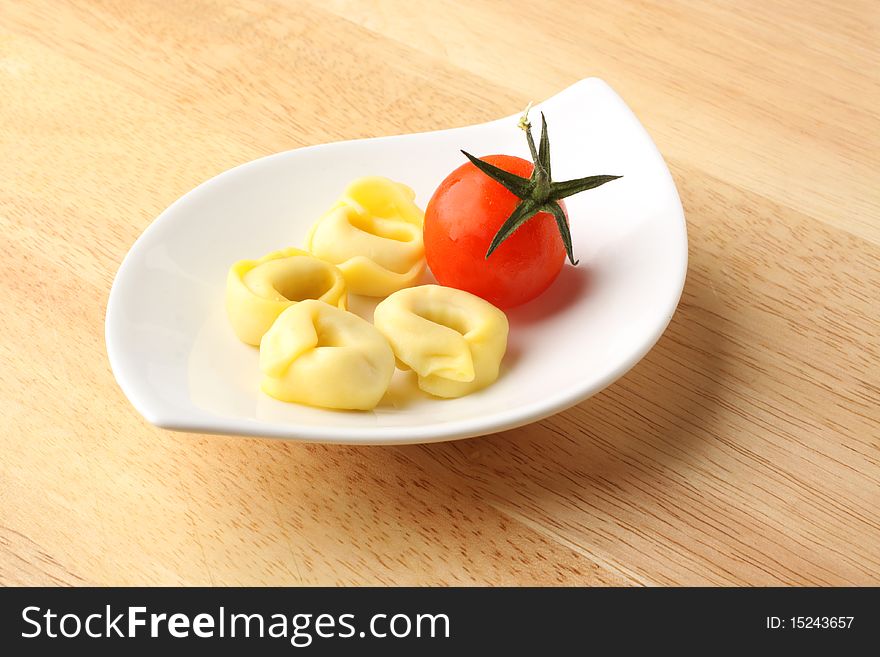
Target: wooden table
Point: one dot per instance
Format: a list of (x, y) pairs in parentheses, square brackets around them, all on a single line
[(745, 449)]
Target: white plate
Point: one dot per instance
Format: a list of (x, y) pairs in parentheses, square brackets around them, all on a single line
[(179, 363)]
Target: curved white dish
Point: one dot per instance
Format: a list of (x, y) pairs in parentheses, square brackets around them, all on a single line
[(177, 360)]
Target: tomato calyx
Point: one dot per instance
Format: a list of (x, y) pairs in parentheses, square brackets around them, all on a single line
[(537, 193)]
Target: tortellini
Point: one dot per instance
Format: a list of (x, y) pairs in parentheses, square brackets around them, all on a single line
[(373, 233), (320, 355), (453, 340), (258, 291)]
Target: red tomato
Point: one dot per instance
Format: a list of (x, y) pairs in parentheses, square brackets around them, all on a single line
[(461, 219)]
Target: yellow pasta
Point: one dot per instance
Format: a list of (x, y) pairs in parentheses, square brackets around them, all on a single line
[(373, 233), (257, 291), (320, 355), (453, 340)]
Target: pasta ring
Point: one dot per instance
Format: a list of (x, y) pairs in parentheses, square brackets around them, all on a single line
[(258, 291), (452, 339)]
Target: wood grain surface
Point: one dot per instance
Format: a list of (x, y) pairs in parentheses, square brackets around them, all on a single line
[(744, 449)]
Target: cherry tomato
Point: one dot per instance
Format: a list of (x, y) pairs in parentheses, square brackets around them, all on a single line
[(462, 217)]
